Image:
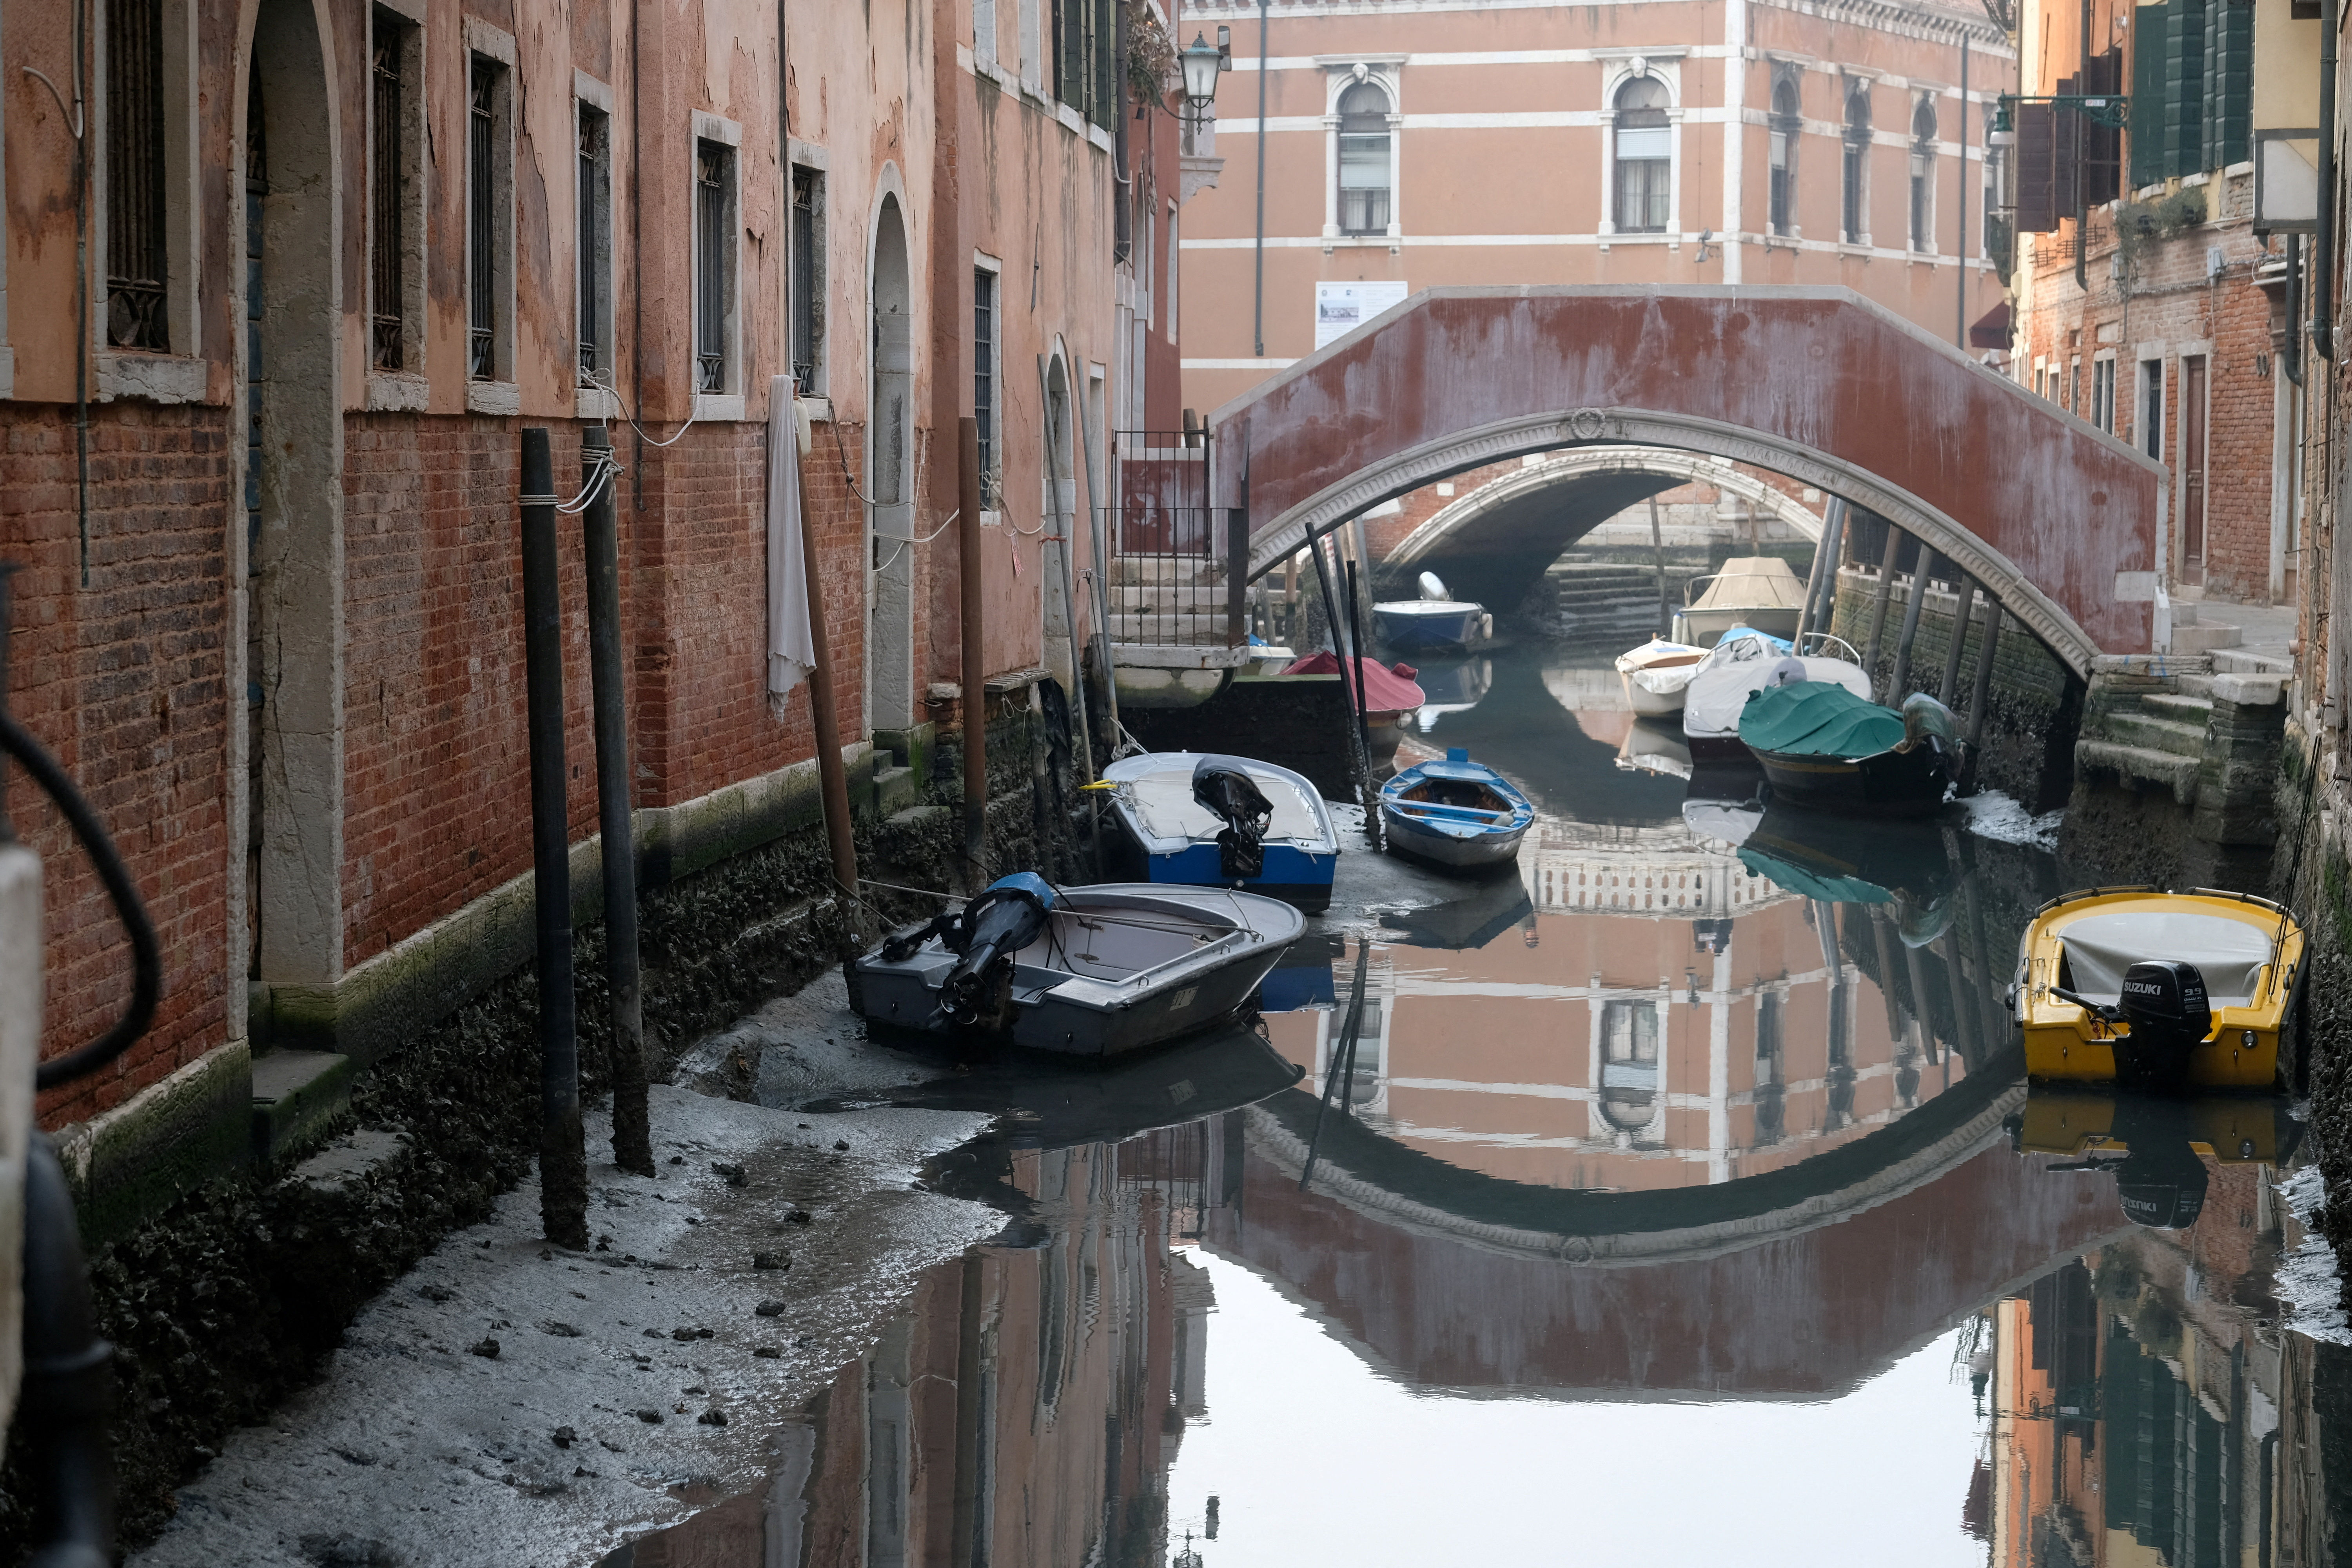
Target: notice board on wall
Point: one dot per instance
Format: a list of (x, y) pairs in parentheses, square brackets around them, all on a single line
[(1341, 308)]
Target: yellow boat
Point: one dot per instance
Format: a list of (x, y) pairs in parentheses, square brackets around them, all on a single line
[(2172, 989)]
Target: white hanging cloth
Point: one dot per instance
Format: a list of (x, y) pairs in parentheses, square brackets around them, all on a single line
[(791, 646)]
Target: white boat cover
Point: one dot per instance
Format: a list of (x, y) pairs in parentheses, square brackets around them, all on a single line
[(1719, 690), (1753, 582), (1161, 799), (1720, 823), (2229, 953), (1659, 666)]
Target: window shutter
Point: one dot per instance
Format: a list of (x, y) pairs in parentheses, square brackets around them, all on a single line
[(2102, 144), (2184, 88), (2037, 161), (2147, 94), (2230, 82), (2066, 159)]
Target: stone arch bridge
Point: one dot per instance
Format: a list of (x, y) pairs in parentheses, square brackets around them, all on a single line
[(2062, 523)]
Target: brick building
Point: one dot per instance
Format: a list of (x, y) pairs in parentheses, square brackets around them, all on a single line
[(339, 254)]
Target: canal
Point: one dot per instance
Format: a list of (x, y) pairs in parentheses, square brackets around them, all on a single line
[(1681, 1199)]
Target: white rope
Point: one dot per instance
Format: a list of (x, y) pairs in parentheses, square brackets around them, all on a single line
[(609, 390)]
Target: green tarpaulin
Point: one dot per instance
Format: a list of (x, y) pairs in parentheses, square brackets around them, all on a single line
[(1818, 719)]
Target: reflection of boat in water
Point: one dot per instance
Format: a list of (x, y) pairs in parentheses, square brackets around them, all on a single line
[(2154, 1146), (1822, 745), (1759, 591), (1654, 746), (1453, 687), (1856, 862), (1465, 924), (2176, 988)]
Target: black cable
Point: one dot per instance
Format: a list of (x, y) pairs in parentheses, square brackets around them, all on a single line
[(146, 964)]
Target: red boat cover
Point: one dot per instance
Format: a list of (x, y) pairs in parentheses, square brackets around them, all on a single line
[(1386, 691)]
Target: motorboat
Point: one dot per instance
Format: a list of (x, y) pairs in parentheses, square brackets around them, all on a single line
[(1203, 820), (1823, 747), (1757, 591), (1434, 621), (1456, 813), (1093, 971), (2170, 990), (1744, 662), (1656, 674)]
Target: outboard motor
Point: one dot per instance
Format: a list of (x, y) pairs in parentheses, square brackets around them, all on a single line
[(2164, 1002), (1222, 784), (1006, 917)]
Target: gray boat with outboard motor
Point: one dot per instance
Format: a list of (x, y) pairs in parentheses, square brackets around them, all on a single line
[(1091, 971)]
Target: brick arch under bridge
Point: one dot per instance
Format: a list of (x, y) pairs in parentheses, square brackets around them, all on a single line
[(2062, 523)]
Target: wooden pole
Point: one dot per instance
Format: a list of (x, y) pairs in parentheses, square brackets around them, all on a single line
[(1887, 558), (1923, 569), (1980, 696), (972, 667), (1658, 553), (1959, 640), (833, 773)]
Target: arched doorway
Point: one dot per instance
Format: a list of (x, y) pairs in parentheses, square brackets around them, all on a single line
[(290, 598), (890, 459)]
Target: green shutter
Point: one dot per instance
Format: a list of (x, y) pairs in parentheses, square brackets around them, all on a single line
[(2229, 83), (2148, 95), (2184, 87)]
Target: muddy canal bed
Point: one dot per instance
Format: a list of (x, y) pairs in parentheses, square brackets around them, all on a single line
[(1681, 1198)]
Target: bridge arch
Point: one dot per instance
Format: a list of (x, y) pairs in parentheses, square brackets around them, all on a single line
[(2060, 522)]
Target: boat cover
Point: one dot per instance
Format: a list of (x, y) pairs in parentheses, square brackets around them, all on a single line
[(1753, 582), (1386, 691), (1660, 666), (1742, 664), (1163, 804), (1818, 719), (2230, 954)]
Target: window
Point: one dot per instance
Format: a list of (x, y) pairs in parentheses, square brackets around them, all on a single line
[(984, 33), (1788, 125), (1853, 222), (1084, 40), (595, 241), (1923, 177), (807, 285), (2151, 408), (138, 254), (2075, 386), (714, 266), (391, 225), (1365, 175), (2102, 392), (1629, 1064), (486, 232), (983, 376), (1645, 160), (2192, 87)]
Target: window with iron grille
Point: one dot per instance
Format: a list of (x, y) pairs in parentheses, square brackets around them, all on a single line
[(983, 373), (1854, 220), (486, 148), (1367, 179), (594, 242), (138, 258), (1646, 188), (1923, 176), (807, 286), (714, 263), (1788, 125), (388, 190), (1084, 37)]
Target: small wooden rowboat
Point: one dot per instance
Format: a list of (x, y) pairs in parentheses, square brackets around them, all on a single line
[(2162, 989), (1456, 812), (1092, 972)]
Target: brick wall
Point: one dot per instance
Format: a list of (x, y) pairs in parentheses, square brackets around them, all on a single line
[(121, 680)]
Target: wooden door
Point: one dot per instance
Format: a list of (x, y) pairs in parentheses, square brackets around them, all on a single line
[(2192, 469)]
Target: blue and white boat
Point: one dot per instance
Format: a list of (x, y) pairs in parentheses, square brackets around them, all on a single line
[(1203, 820), (1456, 812)]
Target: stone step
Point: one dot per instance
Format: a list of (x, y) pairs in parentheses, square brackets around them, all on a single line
[(2141, 765), (1143, 569), (2189, 707), (1172, 626), (2237, 661), (2156, 734), (895, 789), (2203, 637), (295, 1095), (1167, 595)]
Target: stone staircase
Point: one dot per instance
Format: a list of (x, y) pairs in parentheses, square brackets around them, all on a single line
[(1168, 600), (1601, 601), (2204, 726), (2194, 633)]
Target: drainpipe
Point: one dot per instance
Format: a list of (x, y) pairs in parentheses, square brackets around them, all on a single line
[(1258, 287), (1735, 132), (2323, 241), (1960, 305)]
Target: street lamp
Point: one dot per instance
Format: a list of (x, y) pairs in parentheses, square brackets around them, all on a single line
[(2001, 132), (1201, 62)]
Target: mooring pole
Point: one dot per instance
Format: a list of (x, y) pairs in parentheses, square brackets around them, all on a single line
[(1886, 562), (1821, 596), (1658, 554), (1813, 584), (1372, 825), (1358, 763), (1980, 698), (833, 773), (1342, 1050), (562, 1158), (633, 1147), (973, 671), (1923, 569), (1959, 640)]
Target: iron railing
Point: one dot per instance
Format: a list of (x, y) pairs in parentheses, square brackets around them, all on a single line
[(138, 262), (711, 225), (1179, 566), (596, 196), (387, 242), (808, 278), (481, 235)]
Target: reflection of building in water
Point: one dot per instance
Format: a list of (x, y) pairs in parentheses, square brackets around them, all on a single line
[(2136, 1396), (1645, 1048), (1026, 1407)]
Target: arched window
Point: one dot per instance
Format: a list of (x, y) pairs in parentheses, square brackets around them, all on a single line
[(1365, 174), (1644, 163), (1854, 225), (1923, 176), (1788, 121)]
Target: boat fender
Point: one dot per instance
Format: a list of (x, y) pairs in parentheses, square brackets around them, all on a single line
[(1221, 786), (1005, 918)]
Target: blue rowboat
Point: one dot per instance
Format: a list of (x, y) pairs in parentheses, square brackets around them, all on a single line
[(1456, 812), (1201, 820)]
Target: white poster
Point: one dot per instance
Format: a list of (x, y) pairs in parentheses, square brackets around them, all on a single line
[(1341, 308)]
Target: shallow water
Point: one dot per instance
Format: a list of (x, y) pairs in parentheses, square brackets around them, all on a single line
[(1681, 1200)]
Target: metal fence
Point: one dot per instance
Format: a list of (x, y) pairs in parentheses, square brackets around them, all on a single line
[(1179, 566)]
